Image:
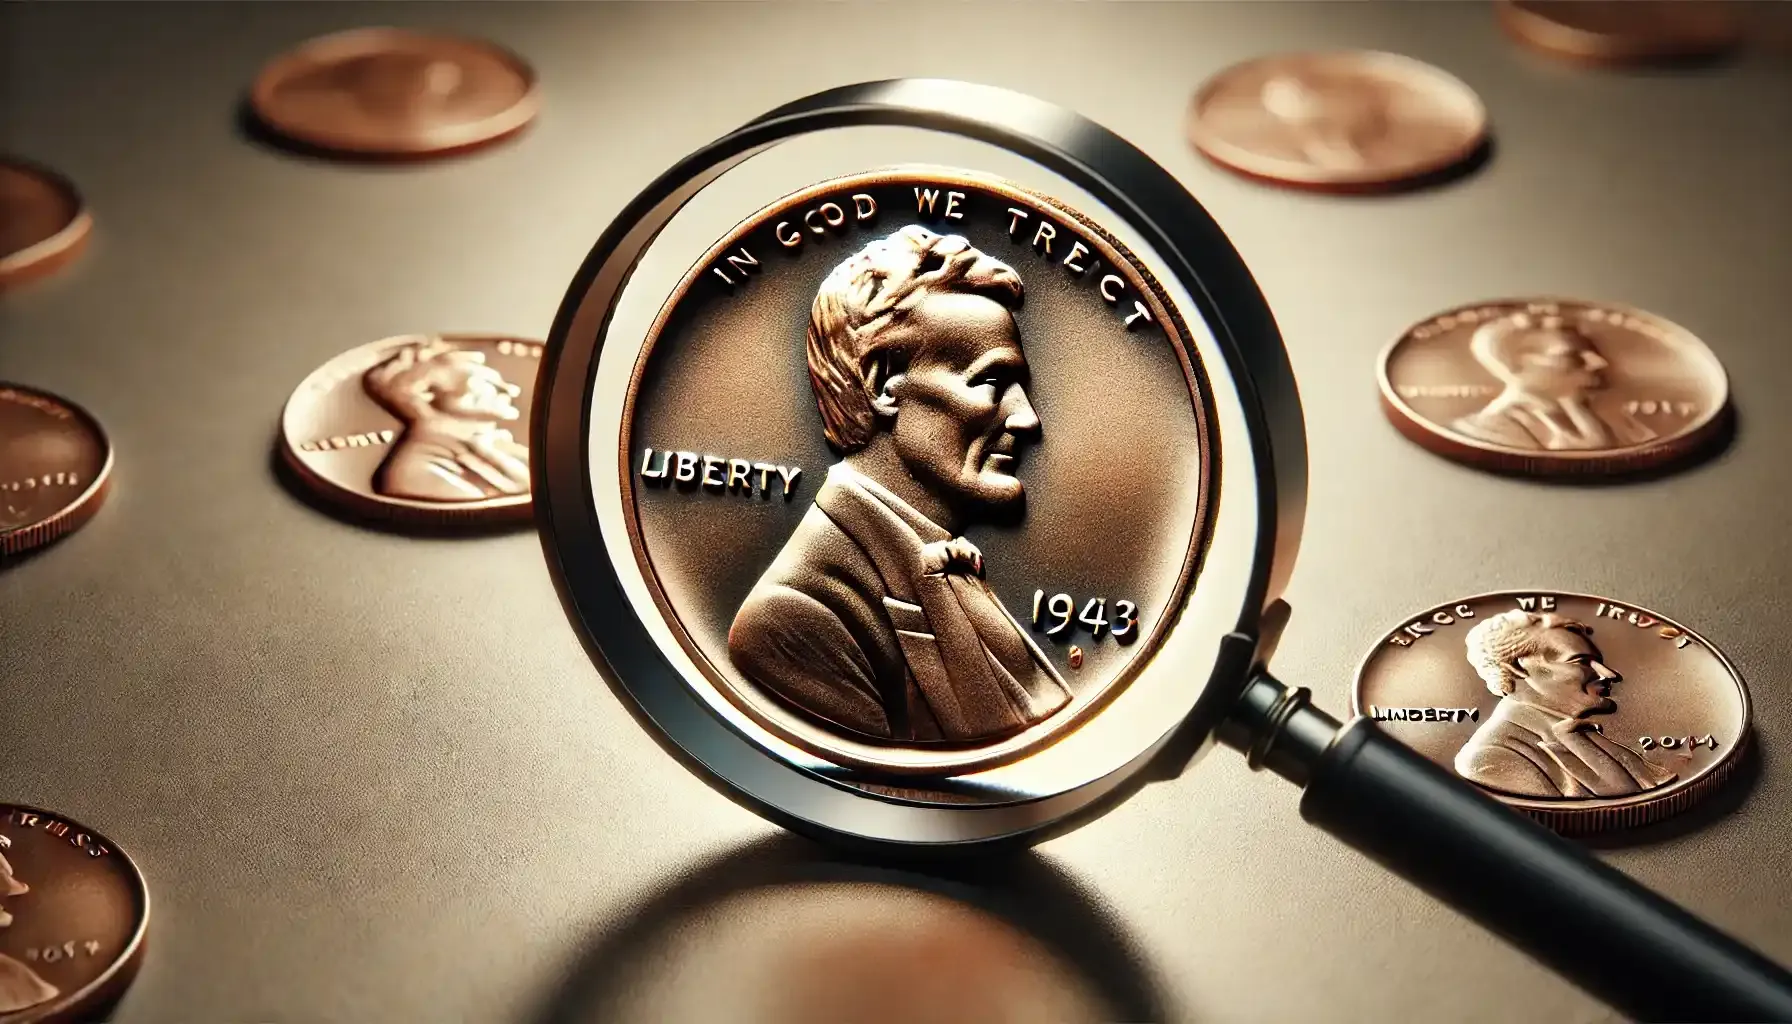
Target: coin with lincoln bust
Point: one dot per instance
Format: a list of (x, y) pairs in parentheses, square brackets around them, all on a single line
[(1549, 386), (421, 428), (1587, 713), (73, 912), (1342, 121), (917, 464), (386, 92)]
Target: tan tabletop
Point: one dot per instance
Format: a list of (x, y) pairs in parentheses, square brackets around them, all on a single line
[(374, 777)]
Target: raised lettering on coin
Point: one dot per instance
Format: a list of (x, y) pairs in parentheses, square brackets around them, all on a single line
[(874, 432), (1585, 713), (1554, 387)]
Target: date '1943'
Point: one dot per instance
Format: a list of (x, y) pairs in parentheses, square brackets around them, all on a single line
[(1057, 615)]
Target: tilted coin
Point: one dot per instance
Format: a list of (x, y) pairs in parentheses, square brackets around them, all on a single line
[(73, 911), (394, 92), (425, 428), (55, 464), (874, 492), (1345, 121), (1623, 31), (43, 222), (1584, 712), (1554, 386)]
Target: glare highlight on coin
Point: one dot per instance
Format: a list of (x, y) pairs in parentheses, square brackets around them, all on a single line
[(1623, 32), (55, 465), (1587, 713), (419, 428), (1342, 121), (73, 912), (43, 222), (1549, 386), (396, 93)]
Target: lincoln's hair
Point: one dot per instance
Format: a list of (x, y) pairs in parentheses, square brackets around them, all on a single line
[(850, 344), (1496, 644), (1500, 344), (407, 383)]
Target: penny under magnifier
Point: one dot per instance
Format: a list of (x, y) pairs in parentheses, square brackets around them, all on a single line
[(934, 514)]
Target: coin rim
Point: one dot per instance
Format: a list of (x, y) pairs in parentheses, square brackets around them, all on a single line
[(44, 257), (1560, 39), (824, 740), (1600, 814), (1686, 444), (74, 514), (113, 980), (510, 509), (1244, 162), (333, 47)]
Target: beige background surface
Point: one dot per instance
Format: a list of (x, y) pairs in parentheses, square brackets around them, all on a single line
[(372, 777)]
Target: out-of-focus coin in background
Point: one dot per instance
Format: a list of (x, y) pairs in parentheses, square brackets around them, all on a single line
[(55, 465), (420, 428), (1344, 121), (1619, 32), (1549, 386), (43, 222), (73, 911), (384, 92), (1586, 713)]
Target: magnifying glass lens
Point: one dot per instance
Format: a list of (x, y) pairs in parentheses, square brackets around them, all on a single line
[(918, 466)]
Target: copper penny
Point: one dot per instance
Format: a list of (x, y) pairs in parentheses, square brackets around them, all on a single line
[(73, 911), (55, 463), (43, 222), (1586, 713), (393, 92), (1623, 31), (873, 490), (424, 428), (1550, 386), (1345, 121)]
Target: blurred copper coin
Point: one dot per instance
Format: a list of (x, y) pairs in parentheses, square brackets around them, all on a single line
[(43, 222), (1623, 31), (1345, 121), (55, 463), (73, 910), (1554, 386), (1584, 712), (392, 92), (424, 428)]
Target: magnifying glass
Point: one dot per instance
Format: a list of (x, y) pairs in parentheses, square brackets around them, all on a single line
[(928, 512)]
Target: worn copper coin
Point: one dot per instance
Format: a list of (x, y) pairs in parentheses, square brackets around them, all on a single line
[(1584, 712), (1345, 121), (1552, 386), (423, 428), (55, 463), (1623, 31), (43, 222), (917, 465), (396, 93), (73, 911)]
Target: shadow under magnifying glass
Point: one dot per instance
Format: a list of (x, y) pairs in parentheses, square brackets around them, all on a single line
[(786, 931)]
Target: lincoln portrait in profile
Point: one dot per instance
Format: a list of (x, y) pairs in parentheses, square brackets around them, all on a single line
[(20, 987), (875, 616), (1540, 740), (1550, 370), (452, 447)]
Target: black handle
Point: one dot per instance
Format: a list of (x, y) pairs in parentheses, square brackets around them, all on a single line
[(1581, 918)]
